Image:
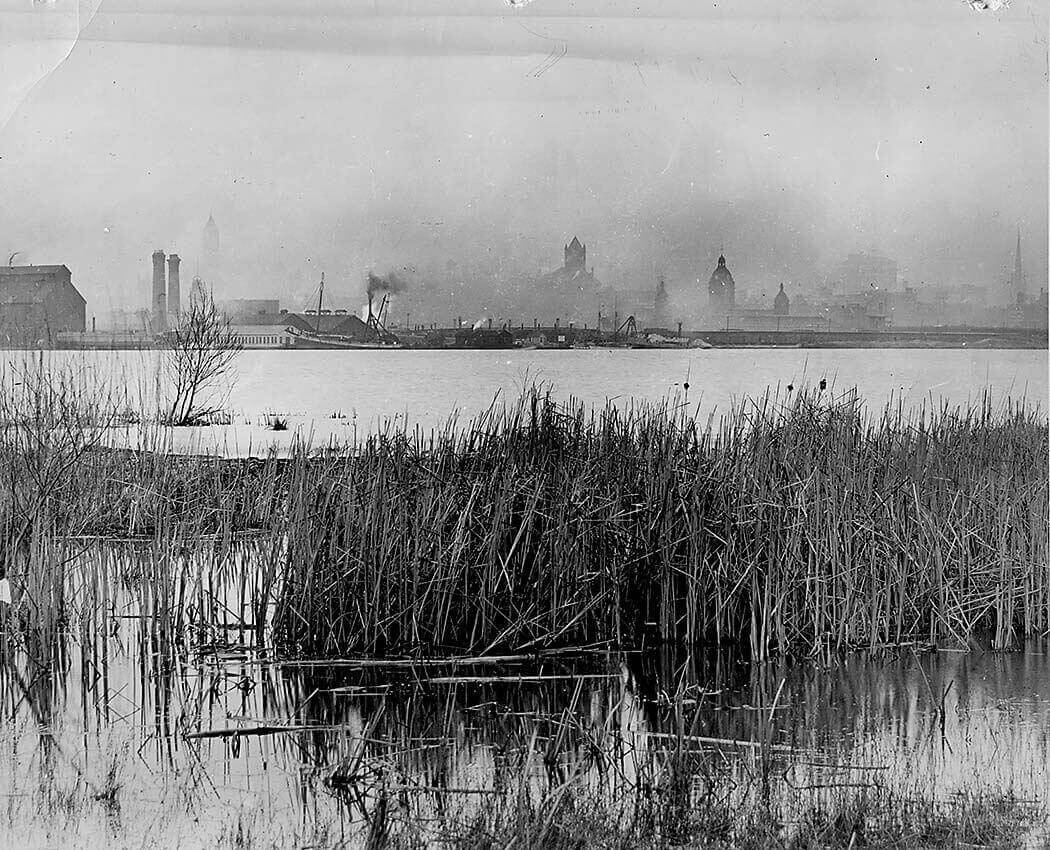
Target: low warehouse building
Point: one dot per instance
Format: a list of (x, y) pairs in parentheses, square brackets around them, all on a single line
[(37, 303), (268, 330)]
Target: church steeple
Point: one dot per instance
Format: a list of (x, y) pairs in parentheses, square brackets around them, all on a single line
[(1017, 284), (210, 237)]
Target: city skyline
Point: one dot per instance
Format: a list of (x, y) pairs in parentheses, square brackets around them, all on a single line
[(402, 139)]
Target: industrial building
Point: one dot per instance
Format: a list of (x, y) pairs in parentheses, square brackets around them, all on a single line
[(268, 330), (37, 303)]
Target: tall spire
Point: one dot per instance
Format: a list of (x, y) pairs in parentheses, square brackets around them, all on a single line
[(1017, 284)]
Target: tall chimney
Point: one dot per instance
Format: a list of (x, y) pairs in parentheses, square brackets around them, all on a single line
[(160, 300), (174, 302)]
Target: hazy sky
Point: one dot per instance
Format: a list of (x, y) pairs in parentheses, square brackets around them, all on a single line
[(339, 136)]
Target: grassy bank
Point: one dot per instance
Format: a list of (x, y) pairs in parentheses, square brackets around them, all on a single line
[(797, 522)]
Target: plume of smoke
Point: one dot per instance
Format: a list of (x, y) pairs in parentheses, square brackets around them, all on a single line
[(390, 283)]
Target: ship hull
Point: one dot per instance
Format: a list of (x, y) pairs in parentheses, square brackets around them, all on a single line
[(325, 342)]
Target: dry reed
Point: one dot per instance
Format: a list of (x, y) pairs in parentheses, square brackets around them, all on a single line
[(796, 523)]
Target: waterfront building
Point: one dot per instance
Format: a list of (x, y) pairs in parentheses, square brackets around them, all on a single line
[(269, 330), (37, 303)]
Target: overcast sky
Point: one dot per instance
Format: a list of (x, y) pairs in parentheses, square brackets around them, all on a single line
[(339, 136)]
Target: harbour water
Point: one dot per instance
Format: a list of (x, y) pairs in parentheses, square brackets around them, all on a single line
[(334, 395)]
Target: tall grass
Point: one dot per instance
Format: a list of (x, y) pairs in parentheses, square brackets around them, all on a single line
[(787, 524), (792, 523)]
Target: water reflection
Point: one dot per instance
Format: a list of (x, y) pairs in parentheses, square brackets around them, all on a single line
[(203, 734)]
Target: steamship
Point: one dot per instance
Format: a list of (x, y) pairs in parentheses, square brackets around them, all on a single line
[(380, 337), (315, 339)]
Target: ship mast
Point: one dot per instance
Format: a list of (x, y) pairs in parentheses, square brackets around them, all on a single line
[(320, 298)]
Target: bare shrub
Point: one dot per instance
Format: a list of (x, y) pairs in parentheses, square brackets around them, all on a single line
[(200, 350)]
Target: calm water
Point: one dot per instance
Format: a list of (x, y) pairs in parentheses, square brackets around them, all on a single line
[(332, 394), (181, 736), (187, 731)]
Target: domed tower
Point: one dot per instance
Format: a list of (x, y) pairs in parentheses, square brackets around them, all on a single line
[(781, 304), (721, 290)]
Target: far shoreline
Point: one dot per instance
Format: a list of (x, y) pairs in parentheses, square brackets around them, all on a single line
[(660, 338)]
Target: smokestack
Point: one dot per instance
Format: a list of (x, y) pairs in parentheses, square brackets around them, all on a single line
[(160, 300), (174, 301)]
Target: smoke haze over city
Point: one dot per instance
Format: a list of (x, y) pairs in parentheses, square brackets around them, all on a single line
[(462, 150)]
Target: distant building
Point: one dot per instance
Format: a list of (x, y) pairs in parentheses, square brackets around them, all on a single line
[(210, 243), (37, 303), (661, 314), (242, 310), (1018, 289), (781, 304), (721, 289), (571, 293), (273, 330), (576, 255), (768, 320), (779, 317), (483, 338), (861, 312), (1028, 313), (865, 271), (125, 321), (278, 330)]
